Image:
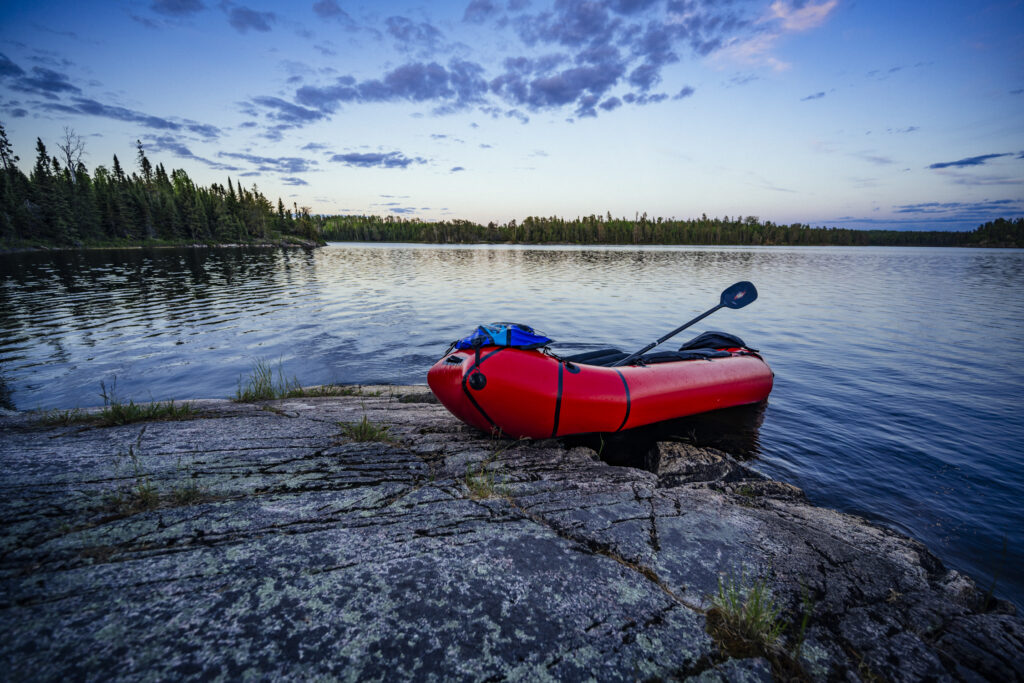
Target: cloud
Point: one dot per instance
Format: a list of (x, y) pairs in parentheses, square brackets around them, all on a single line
[(874, 158), (784, 18), (479, 11), (684, 93), (993, 206), (815, 96), (455, 169), (90, 107), (286, 112), (205, 129), (244, 19), (969, 161), (39, 81), (377, 159), (9, 68), (176, 8), (314, 146), (411, 35), (533, 85), (641, 100), (630, 6), (168, 143), (801, 16), (578, 54), (453, 87), (738, 79), (275, 164), (292, 180), (329, 9)]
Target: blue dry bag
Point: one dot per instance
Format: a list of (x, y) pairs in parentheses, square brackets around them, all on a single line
[(504, 334)]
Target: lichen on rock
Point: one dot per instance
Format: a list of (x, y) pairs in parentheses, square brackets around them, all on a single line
[(311, 555)]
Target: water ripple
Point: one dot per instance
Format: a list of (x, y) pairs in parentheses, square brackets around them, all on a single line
[(899, 387)]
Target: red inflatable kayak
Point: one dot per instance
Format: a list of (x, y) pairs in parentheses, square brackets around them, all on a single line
[(535, 394)]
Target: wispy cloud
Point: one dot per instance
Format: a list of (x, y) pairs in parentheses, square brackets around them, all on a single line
[(451, 87), (997, 206), (783, 18), (479, 11), (90, 107), (415, 36), (329, 9), (177, 8), (178, 147), (801, 16), (377, 159), (286, 112), (873, 158), (244, 19), (277, 164), (38, 80), (969, 161), (815, 96)]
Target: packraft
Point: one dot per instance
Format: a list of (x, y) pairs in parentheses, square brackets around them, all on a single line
[(503, 378)]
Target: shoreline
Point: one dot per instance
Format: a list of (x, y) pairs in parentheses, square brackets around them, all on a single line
[(508, 558), (284, 243)]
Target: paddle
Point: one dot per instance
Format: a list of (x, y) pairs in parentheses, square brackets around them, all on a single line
[(736, 296)]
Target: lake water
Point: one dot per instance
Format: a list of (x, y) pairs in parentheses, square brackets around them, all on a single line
[(899, 389)]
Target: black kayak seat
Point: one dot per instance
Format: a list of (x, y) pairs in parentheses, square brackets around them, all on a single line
[(705, 346)]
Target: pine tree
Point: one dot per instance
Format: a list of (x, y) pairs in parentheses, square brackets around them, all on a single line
[(7, 154)]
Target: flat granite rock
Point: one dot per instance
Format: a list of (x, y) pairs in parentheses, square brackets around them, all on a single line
[(259, 541)]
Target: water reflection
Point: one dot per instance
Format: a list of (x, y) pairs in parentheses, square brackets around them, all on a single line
[(899, 388)]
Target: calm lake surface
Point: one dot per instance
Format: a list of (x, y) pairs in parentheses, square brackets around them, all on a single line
[(899, 389)]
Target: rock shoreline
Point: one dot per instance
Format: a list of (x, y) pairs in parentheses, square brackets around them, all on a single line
[(260, 540)]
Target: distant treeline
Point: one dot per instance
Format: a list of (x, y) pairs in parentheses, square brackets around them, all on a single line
[(642, 230), (61, 204)]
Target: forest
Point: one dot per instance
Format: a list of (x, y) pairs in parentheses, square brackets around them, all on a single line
[(59, 203), (642, 230)]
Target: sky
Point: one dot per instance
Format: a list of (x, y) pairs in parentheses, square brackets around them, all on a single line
[(846, 113)]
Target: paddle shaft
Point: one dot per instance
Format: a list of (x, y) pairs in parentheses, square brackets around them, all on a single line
[(671, 334)]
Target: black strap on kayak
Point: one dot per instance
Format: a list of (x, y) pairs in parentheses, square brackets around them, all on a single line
[(558, 402), (465, 378), (626, 385)]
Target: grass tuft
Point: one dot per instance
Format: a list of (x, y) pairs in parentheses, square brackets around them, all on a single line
[(364, 430), (62, 418), (189, 493), (261, 385), (483, 483), (324, 390), (116, 413), (744, 619)]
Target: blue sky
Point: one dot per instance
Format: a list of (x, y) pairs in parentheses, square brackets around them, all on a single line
[(828, 112)]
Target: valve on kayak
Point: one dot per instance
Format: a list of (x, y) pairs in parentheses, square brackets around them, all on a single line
[(477, 381)]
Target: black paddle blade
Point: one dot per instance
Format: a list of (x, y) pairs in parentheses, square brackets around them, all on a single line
[(739, 295)]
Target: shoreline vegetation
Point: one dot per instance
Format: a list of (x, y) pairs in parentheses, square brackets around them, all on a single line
[(61, 205)]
